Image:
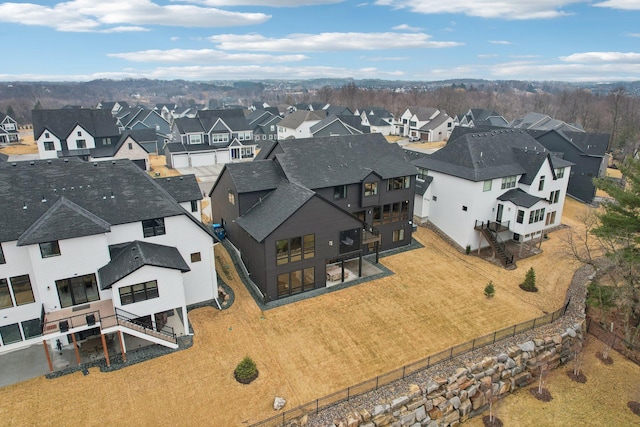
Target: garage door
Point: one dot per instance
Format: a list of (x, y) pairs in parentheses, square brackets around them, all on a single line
[(203, 159), (180, 161), (223, 157)]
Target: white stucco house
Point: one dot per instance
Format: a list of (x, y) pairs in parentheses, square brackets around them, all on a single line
[(494, 186), (97, 249), (426, 124), (298, 124)]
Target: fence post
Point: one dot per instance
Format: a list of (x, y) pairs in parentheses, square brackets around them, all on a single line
[(348, 393), (514, 330), (377, 382), (403, 370), (473, 346), (429, 361), (451, 354), (534, 324), (494, 336), (316, 406)]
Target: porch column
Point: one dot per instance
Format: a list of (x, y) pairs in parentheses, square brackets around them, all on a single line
[(360, 265), (104, 348), (75, 347), (186, 320), (122, 346), (377, 251), (46, 352), (342, 268)]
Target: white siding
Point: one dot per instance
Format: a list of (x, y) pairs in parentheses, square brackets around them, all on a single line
[(50, 154)]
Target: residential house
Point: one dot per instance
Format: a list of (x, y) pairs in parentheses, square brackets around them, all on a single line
[(127, 147), (8, 130), (298, 124), (113, 106), (537, 121), (73, 132), (186, 191), (311, 204), (426, 124), (139, 118), (379, 120), (487, 188), (212, 137), (586, 150), (336, 126), (96, 249), (477, 117), (264, 123)]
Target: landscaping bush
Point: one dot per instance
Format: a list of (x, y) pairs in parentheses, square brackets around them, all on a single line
[(246, 371), (468, 249), (529, 283), (489, 290)]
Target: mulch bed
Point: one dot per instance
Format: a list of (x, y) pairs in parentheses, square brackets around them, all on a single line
[(544, 395), (634, 406), (246, 380), (606, 360), (488, 423), (534, 289), (580, 378)]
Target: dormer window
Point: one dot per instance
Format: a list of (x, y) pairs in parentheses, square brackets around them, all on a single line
[(370, 189)]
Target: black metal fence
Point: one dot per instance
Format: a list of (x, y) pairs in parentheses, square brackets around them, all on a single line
[(317, 405), (610, 339)]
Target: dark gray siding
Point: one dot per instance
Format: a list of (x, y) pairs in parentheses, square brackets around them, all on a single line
[(335, 128), (221, 209)]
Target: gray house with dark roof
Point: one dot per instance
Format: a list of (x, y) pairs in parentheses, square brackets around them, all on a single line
[(212, 137), (483, 189), (313, 203), (97, 249)]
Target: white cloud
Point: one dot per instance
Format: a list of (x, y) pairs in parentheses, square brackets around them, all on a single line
[(505, 9), (185, 56), (633, 34), (91, 15), (263, 3), (405, 27), (124, 29), (327, 42), (603, 57), (566, 72), (500, 42), (620, 4)]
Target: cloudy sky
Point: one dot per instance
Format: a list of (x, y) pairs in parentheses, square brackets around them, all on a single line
[(564, 40)]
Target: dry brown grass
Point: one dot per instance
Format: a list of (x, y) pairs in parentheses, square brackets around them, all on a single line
[(26, 146), (427, 145), (159, 165), (303, 350), (601, 401)]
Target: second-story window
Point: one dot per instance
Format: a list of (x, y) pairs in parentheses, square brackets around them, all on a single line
[(541, 183), (508, 182), (49, 249), (370, 188), (398, 183), (231, 196), (339, 192), (559, 172), (153, 227), (422, 174), (487, 185)]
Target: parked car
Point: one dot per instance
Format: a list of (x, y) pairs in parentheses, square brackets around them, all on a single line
[(414, 138)]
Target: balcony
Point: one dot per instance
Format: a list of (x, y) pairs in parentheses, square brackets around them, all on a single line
[(76, 318), (496, 227)]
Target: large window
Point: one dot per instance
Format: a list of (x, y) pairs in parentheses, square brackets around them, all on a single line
[(195, 139), (508, 182), (487, 185), (295, 249), (138, 292), (49, 146), (49, 249), (5, 295), (554, 197), (520, 217), (398, 183), (559, 172), (231, 196), (339, 192), (219, 138), (153, 227), (10, 334), (22, 291), (295, 282), (398, 235), (541, 183), (77, 290), (536, 216), (31, 328), (81, 143), (370, 188)]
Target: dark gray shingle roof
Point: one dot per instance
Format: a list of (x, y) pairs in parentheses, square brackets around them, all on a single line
[(98, 122), (137, 254), (274, 209), (519, 198), (258, 175), (339, 160), (116, 191), (183, 188)]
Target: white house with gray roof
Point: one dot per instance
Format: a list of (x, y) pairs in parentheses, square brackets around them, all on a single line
[(491, 187), (97, 250), (425, 123)]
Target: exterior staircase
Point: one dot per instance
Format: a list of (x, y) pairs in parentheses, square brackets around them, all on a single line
[(125, 322), (499, 248)]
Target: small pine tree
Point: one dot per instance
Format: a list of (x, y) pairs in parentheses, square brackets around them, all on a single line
[(246, 371), (489, 290), (529, 283)]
